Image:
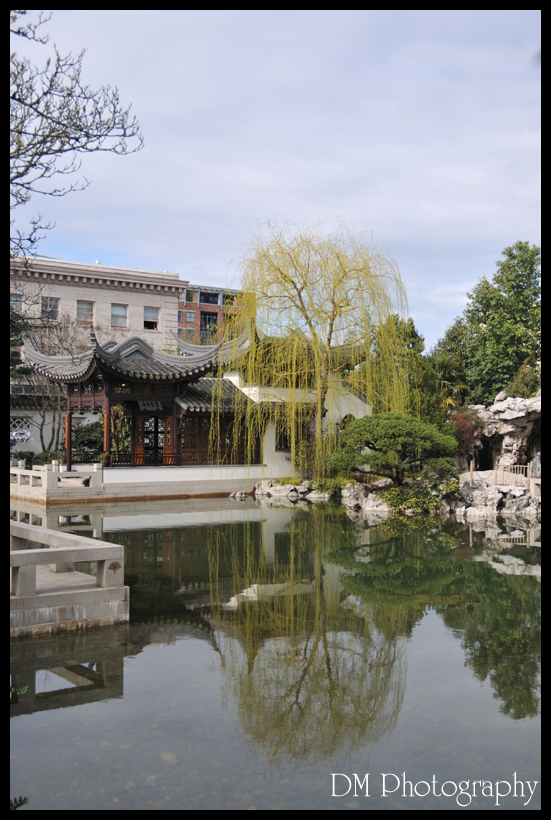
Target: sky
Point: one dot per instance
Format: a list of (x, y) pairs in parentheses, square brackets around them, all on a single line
[(419, 127)]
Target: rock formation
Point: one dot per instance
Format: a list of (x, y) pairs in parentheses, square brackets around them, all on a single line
[(511, 431)]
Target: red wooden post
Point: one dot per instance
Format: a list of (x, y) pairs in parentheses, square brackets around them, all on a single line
[(107, 425), (68, 415)]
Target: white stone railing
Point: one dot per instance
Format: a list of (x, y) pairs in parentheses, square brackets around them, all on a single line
[(49, 476), (64, 550)]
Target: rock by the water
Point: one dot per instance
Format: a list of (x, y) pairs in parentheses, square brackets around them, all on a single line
[(511, 427)]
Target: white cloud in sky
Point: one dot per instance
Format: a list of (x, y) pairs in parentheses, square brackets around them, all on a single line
[(420, 126)]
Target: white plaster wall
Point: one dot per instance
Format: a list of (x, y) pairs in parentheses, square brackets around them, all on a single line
[(340, 401), (34, 418)]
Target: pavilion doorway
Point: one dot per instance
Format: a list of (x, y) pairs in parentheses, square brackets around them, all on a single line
[(153, 440)]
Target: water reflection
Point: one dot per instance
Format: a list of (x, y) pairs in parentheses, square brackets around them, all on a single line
[(59, 672), (307, 669), (310, 614), (491, 599)]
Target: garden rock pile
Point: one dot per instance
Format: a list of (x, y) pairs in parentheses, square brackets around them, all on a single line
[(481, 500), (289, 492), (512, 427)]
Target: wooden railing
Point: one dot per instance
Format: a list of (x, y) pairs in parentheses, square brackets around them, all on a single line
[(146, 460), (513, 474), (85, 456)]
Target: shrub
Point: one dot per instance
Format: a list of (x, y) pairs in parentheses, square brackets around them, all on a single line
[(32, 458), (395, 445), (333, 486), (47, 458)]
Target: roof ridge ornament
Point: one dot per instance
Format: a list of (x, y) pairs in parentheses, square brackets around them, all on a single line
[(93, 338)]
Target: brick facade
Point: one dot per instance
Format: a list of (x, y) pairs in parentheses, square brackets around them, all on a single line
[(201, 313)]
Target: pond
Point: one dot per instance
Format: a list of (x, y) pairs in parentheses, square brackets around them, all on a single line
[(290, 658)]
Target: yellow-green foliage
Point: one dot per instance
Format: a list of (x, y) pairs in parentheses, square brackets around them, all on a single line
[(317, 307)]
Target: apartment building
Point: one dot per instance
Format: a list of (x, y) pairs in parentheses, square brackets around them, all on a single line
[(119, 302), (201, 312)]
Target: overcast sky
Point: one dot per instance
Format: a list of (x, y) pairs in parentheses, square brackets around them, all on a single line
[(420, 126)]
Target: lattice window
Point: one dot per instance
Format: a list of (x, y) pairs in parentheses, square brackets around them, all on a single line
[(20, 429)]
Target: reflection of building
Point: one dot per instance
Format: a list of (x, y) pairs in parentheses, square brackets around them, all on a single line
[(83, 667)]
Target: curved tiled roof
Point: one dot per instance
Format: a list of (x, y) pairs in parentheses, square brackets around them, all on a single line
[(197, 396), (134, 359), (224, 352)]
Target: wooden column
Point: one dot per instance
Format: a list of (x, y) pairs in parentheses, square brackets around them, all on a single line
[(174, 438), (107, 425), (68, 431)]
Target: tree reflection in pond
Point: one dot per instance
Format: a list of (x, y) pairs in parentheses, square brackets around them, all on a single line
[(314, 645), (497, 617), (306, 671)]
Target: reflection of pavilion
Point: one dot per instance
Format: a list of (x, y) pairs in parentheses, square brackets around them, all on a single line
[(98, 519), (165, 397)]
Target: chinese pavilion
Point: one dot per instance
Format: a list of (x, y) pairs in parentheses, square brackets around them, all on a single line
[(166, 398)]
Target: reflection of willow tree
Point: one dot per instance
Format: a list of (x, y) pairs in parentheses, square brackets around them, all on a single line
[(411, 571), (310, 676)]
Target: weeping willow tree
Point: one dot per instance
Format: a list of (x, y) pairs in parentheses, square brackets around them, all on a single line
[(317, 307)]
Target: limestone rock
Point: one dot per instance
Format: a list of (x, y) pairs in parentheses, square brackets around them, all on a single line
[(316, 496), (263, 487), (353, 494), (374, 504), (511, 427), (384, 482)]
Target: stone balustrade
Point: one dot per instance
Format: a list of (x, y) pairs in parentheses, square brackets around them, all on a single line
[(49, 476), (64, 550), (42, 601)]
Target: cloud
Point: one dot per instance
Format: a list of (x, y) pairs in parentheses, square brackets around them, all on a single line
[(421, 126)]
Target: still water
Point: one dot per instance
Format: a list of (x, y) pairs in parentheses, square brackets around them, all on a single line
[(276, 656)]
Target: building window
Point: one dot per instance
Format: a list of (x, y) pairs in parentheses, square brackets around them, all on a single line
[(191, 296), (50, 308), (85, 312), (119, 315), (190, 335), (209, 298), (16, 303), (208, 321), (151, 318), (190, 316)]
